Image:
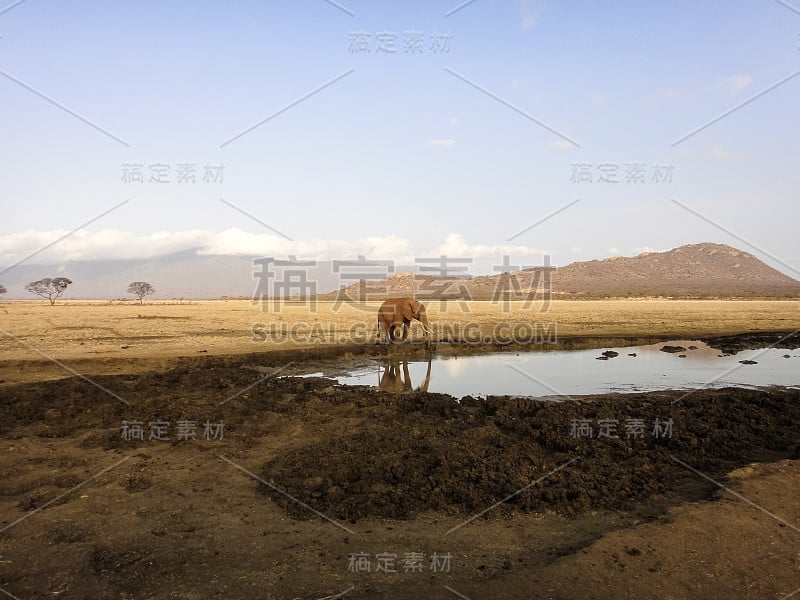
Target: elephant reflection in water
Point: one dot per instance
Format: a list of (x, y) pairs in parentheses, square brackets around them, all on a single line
[(393, 380)]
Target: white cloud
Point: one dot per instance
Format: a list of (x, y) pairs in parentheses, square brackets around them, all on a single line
[(720, 154), (455, 246), (560, 145), (576, 250), (666, 96), (737, 83), (731, 85), (529, 15), (614, 251), (454, 121), (103, 244), (109, 244), (445, 143), (715, 153), (236, 241)]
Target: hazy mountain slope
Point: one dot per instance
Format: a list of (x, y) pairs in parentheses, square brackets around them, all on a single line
[(697, 271)]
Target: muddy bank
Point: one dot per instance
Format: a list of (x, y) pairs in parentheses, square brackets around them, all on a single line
[(731, 344), (396, 455), (425, 452)]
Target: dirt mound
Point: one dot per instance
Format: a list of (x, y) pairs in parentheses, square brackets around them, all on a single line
[(424, 452)]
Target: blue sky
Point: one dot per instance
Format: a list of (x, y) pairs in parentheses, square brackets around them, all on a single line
[(400, 157)]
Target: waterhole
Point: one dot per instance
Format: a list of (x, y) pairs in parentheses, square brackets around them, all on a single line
[(678, 364)]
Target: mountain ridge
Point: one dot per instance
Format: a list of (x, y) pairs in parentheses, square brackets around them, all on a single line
[(703, 270)]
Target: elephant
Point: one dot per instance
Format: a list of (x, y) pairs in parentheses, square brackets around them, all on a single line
[(393, 380), (396, 312)]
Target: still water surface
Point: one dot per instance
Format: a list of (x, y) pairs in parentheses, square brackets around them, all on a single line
[(568, 372)]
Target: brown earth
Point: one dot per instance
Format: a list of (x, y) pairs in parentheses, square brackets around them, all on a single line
[(395, 474)]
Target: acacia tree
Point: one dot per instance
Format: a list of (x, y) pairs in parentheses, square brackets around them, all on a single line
[(141, 289), (2, 290), (49, 288)]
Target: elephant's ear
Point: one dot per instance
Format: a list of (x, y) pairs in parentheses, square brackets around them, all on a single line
[(408, 309)]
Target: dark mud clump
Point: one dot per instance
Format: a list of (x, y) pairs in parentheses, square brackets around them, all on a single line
[(673, 349), (731, 344), (426, 452)]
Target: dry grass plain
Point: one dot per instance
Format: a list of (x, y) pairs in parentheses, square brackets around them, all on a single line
[(94, 329)]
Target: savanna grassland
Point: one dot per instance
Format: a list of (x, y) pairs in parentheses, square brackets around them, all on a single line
[(90, 330)]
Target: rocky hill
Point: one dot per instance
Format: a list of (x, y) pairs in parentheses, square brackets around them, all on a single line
[(694, 271)]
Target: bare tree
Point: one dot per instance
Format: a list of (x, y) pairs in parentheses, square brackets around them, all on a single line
[(49, 288), (141, 289)]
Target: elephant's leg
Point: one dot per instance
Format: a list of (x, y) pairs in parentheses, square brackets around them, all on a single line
[(384, 326), (426, 383), (405, 330), (406, 377), (386, 379)]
